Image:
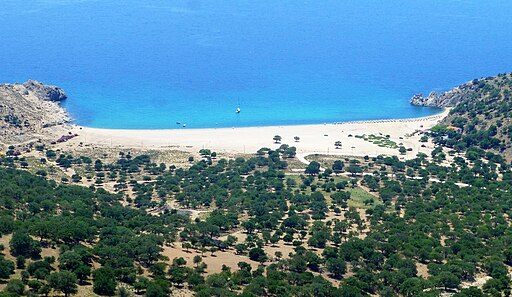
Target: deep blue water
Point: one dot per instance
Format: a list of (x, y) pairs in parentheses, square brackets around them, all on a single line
[(148, 64)]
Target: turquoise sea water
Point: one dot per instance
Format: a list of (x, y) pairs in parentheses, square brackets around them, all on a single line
[(149, 64)]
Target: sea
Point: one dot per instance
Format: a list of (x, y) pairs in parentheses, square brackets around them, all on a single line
[(159, 64)]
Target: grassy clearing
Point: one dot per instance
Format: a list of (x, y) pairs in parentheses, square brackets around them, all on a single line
[(294, 163), (357, 194), (379, 140)]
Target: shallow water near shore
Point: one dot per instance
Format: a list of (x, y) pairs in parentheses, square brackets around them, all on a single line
[(148, 65)]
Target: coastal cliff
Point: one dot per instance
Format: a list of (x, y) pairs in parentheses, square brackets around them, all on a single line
[(445, 99), (45, 92), (473, 90), (28, 110), (482, 116)]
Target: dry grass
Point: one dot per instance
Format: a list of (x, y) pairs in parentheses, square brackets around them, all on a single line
[(215, 262), (422, 270), (45, 252), (326, 161)]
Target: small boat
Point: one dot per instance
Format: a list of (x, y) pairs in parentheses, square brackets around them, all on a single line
[(184, 125), (178, 123), (238, 110)]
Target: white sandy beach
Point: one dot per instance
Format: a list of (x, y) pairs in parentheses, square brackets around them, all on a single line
[(313, 138)]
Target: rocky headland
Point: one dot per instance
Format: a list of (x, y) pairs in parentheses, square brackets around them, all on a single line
[(30, 112), (474, 90), (449, 98)]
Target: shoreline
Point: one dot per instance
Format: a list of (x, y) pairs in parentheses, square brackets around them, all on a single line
[(442, 110), (314, 138)]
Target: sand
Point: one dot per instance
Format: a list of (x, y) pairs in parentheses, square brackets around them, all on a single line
[(313, 138)]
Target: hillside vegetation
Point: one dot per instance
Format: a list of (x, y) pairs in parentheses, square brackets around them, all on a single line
[(484, 117)]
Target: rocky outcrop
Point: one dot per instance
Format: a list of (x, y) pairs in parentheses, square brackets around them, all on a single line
[(444, 99), (28, 110), (45, 92), (474, 90)]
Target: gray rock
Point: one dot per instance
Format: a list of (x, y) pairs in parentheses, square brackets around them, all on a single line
[(45, 92), (29, 111), (444, 99)]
